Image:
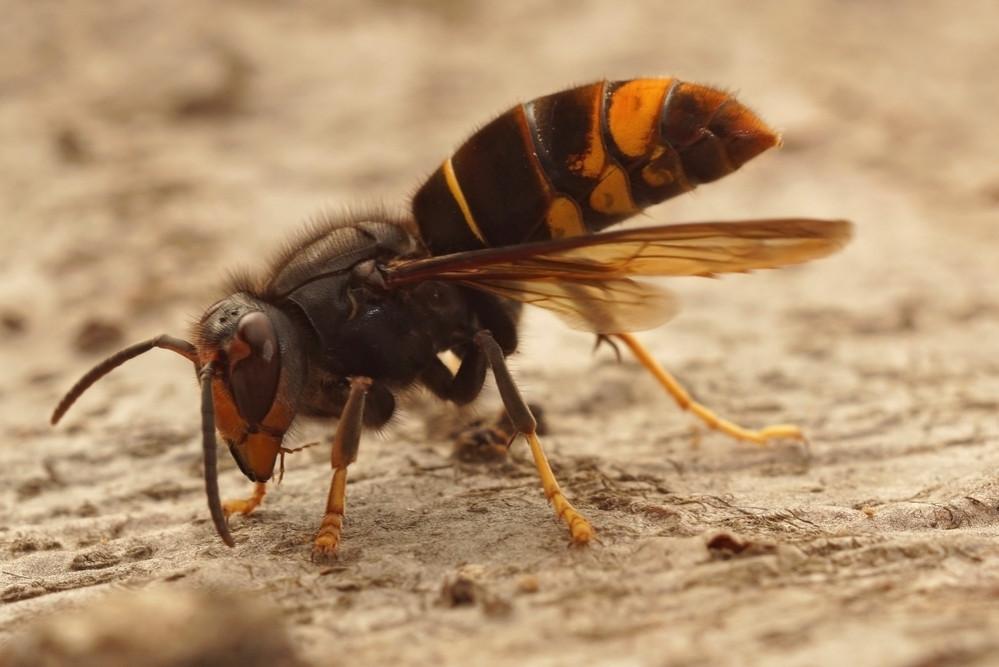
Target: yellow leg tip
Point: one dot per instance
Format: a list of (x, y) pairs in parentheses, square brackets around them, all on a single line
[(580, 529), (327, 539), (763, 436), (239, 506), (246, 505), (324, 550), (788, 431)]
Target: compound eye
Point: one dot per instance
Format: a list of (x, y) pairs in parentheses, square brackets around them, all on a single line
[(254, 366)]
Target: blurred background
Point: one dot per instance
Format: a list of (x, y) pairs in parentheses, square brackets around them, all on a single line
[(149, 147)]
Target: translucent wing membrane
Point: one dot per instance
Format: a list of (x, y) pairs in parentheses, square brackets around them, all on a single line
[(597, 306), (585, 281), (697, 250)]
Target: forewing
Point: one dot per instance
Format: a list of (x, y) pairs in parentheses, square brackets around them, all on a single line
[(585, 279), (700, 249)]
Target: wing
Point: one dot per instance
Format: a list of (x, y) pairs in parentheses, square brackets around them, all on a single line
[(586, 279), (597, 306)]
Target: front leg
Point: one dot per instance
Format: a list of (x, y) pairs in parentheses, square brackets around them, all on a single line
[(246, 505), (345, 444)]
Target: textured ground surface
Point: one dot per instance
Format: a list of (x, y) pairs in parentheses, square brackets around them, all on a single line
[(147, 147)]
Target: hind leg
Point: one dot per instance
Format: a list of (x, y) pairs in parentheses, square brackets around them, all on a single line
[(760, 437)]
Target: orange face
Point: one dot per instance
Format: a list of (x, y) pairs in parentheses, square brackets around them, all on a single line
[(247, 390), (254, 452)]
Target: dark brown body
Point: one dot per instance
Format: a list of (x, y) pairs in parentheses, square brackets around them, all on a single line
[(566, 164), (361, 308)]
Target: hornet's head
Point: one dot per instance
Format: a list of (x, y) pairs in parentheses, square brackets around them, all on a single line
[(251, 367), (257, 373)]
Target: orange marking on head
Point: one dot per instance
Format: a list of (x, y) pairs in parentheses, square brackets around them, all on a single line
[(227, 420), (259, 453)]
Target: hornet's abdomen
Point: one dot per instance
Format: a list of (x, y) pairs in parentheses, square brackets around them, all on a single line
[(579, 160)]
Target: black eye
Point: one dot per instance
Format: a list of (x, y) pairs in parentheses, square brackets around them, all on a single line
[(255, 366)]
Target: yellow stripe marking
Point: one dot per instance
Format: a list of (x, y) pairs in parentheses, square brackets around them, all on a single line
[(452, 184)]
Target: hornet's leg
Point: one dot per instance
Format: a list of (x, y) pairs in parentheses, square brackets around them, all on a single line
[(525, 423), (246, 505), (684, 400), (348, 436)]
